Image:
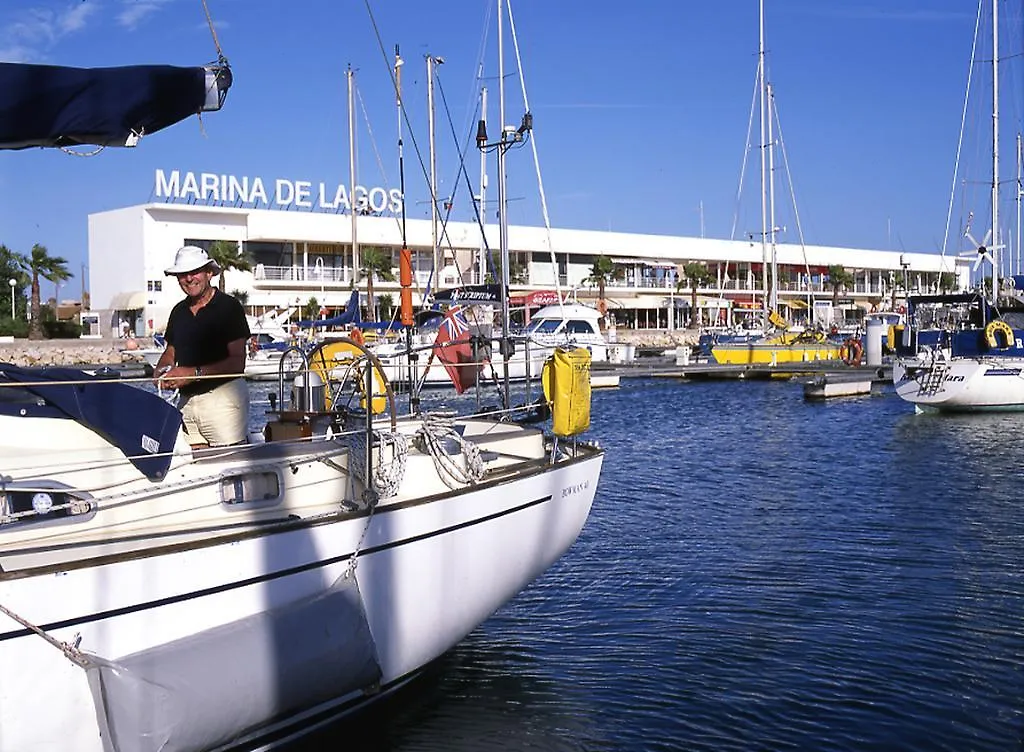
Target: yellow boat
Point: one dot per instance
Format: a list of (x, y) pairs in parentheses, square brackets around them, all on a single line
[(803, 347)]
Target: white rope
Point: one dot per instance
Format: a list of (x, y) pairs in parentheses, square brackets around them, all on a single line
[(438, 429), (387, 476), (71, 652)]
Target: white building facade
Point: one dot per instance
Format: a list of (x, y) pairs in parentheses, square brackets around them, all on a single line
[(299, 254)]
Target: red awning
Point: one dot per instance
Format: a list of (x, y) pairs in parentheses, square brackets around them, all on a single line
[(535, 298)]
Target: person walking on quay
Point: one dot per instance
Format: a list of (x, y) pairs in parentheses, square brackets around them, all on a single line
[(205, 355)]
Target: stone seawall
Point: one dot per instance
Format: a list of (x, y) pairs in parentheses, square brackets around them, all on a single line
[(66, 352)]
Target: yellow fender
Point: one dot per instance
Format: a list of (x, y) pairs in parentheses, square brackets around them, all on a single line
[(996, 328), (566, 380), (331, 355)]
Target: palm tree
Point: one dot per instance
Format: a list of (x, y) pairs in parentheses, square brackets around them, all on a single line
[(838, 279), (39, 263), (228, 256), (947, 282), (694, 275), (374, 262), (312, 308), (601, 273), (11, 267)]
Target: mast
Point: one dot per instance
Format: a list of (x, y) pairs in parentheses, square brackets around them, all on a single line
[(762, 94), (404, 256), (774, 293), (995, 151), (354, 210), (508, 137), (482, 260), (506, 349), (1016, 265), (432, 62)]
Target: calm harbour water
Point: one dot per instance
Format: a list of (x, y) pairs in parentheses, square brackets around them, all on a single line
[(757, 573)]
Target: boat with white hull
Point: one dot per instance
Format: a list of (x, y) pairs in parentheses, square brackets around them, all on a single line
[(964, 352), (232, 589), (936, 380), (160, 597), (567, 325), (959, 353)]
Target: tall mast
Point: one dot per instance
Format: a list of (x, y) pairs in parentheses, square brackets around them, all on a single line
[(404, 256), (995, 152), (482, 261), (762, 94), (431, 63), (503, 223), (350, 77), (774, 293), (1015, 267)]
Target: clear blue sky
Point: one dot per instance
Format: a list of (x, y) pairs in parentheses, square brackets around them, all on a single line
[(640, 108)]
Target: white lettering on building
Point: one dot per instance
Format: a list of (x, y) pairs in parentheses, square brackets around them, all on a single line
[(208, 187)]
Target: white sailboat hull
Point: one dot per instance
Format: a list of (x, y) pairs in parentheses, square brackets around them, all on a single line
[(199, 642), (960, 384)]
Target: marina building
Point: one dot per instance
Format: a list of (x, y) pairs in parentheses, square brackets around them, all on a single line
[(298, 253)]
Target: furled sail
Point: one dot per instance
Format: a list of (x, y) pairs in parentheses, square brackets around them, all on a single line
[(45, 105)]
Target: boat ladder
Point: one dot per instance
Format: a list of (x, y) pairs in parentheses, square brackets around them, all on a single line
[(933, 378)]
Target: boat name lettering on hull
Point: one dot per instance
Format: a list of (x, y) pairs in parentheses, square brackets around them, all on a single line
[(575, 489)]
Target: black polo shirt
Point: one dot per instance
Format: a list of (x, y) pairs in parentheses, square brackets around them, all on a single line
[(203, 338)]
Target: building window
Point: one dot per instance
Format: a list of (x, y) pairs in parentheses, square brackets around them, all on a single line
[(154, 285)]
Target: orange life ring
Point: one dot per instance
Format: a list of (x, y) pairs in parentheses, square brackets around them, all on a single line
[(851, 352), (356, 336)]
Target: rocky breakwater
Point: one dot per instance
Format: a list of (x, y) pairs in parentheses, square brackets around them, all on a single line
[(66, 352)]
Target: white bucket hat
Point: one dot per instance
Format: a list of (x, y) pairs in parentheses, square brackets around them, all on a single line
[(190, 258)]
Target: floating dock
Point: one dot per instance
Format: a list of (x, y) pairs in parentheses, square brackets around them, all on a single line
[(826, 386)]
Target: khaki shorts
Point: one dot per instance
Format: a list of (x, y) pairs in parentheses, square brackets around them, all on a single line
[(218, 417)]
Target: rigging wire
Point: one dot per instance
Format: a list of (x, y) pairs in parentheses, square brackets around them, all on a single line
[(746, 155), (213, 32), (792, 189), (960, 139)]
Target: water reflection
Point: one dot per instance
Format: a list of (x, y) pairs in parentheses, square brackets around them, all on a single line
[(758, 573)]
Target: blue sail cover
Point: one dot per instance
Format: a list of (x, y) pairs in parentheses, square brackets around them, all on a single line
[(349, 316), (139, 423), (45, 105)]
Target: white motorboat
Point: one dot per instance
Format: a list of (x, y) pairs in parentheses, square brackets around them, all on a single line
[(568, 325)]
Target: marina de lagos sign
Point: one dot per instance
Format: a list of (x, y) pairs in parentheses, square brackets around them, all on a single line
[(279, 193)]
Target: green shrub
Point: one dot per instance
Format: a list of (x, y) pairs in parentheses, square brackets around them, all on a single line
[(62, 330), (16, 327)]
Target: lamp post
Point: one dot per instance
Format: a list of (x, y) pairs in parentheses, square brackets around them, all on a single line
[(318, 267), (13, 283)]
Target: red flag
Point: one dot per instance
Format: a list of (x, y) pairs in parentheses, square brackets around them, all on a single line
[(452, 348)]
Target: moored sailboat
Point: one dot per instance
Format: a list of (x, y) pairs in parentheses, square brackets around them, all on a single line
[(964, 352), (155, 596), (774, 343)]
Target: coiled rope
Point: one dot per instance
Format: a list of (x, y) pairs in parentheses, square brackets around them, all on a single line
[(387, 476), (439, 429)]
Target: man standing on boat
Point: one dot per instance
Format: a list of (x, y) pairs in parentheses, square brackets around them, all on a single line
[(205, 355)]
